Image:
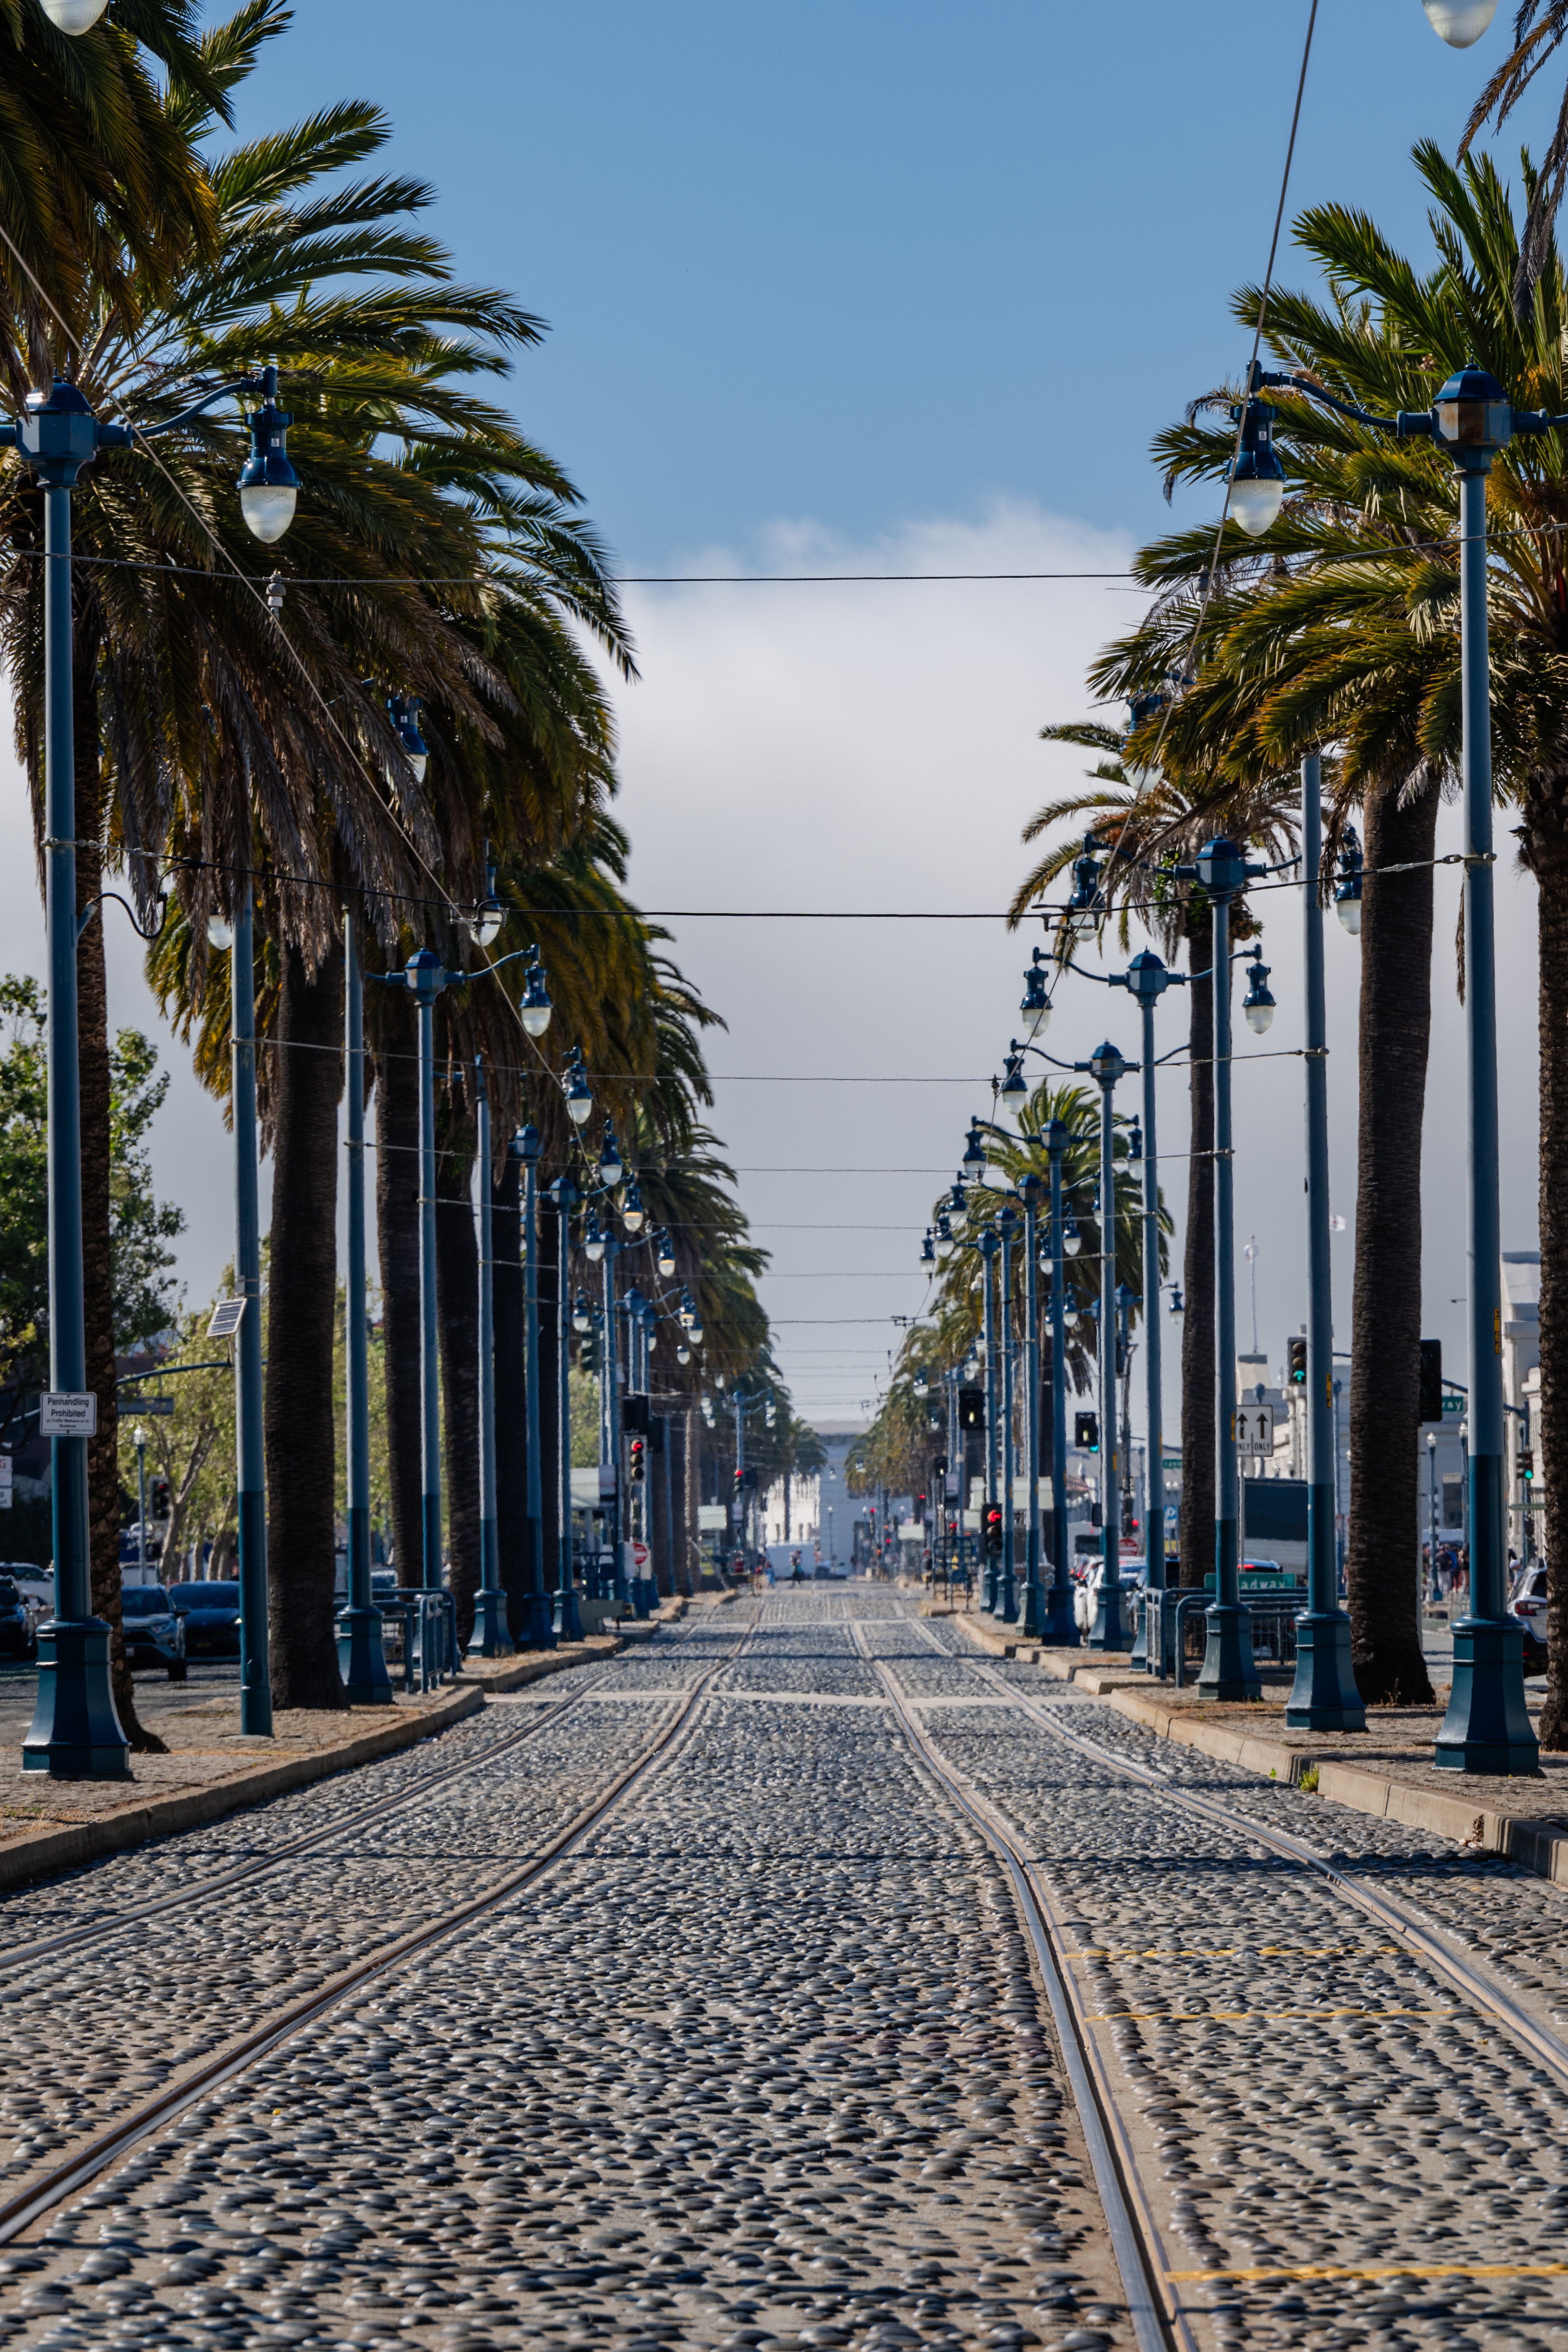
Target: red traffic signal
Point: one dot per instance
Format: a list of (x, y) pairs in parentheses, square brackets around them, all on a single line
[(637, 1459)]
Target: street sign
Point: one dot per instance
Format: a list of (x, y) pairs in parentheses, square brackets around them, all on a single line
[(65, 1412), (7, 1469), (1255, 1429), (226, 1318), (639, 1555), (710, 1515)]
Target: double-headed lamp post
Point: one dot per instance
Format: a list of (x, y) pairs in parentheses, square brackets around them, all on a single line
[(1487, 1728), (1106, 1065), (76, 1733)]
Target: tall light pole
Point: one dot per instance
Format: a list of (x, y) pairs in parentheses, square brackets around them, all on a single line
[(1229, 1671), (1008, 1591), (424, 978), (1032, 1616), (1323, 1696), (139, 1439), (1431, 1515), (1487, 1727), (1106, 1065), (539, 1631), (568, 1614), (1060, 1627), (76, 1733), (361, 1657), (1146, 980), (490, 1638), (988, 1247)]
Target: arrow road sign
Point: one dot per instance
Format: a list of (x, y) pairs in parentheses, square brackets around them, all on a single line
[(1255, 1429)]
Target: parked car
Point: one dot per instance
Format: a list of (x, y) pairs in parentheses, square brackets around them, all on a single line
[(18, 1637), (211, 1616), (1528, 1603), (154, 1634), (35, 1584)]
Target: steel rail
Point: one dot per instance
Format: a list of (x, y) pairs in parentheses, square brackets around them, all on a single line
[(15, 1956), (1136, 2240), (1463, 1976), (19, 2212)]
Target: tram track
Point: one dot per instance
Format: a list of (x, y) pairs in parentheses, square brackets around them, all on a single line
[(100, 2153), (1421, 1942)]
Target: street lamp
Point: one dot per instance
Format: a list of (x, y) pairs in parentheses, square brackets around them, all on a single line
[(1106, 1065), (634, 1216), (362, 1653), (1228, 1669), (1257, 1004), (1487, 1728), (1060, 1620), (1460, 23), (535, 1008), (1146, 980), (611, 1167), (1323, 1696), (568, 1624), (426, 978), (1007, 1229), (77, 16), (537, 1634), (988, 1245), (484, 922), (574, 1085), (1034, 1012), (76, 1733), (404, 711), (491, 1638), (1032, 1615), (1257, 478)]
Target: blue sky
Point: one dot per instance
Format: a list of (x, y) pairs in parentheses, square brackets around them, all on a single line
[(879, 260), (884, 286)]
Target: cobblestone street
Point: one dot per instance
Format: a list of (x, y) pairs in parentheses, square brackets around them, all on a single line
[(742, 2037)]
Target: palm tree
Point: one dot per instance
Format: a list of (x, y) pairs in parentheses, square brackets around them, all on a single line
[(1538, 27), (1149, 826), (1343, 628)]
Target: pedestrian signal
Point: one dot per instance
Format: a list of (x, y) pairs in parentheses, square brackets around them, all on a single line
[(972, 1408), (1086, 1432), (1298, 1372)]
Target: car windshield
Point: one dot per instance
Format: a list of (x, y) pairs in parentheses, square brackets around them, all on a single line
[(144, 1601), (206, 1596)]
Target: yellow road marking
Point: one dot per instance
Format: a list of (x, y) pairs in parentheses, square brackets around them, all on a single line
[(1383, 2270)]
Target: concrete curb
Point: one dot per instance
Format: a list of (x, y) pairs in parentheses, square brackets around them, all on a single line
[(1537, 1846), (36, 1853)]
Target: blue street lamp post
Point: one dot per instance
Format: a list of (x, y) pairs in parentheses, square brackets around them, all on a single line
[(1108, 1633), (1007, 1594), (251, 1451), (1146, 980), (1229, 1668), (490, 1638), (613, 1432), (646, 1597), (76, 1733), (1323, 1696), (1032, 1617), (539, 1631), (1487, 1727), (568, 1614), (362, 1657), (1060, 1627), (988, 1246), (424, 978)]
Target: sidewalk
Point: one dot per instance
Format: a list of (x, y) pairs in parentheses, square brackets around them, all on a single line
[(1386, 1770), (213, 1769)]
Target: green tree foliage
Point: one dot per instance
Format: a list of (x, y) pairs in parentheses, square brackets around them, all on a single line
[(143, 1226)]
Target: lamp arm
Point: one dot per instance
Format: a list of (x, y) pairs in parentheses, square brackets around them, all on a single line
[(252, 383)]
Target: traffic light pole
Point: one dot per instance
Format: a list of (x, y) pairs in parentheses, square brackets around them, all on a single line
[(1108, 1632), (1006, 1227), (1323, 1696), (568, 1615), (1060, 1628)]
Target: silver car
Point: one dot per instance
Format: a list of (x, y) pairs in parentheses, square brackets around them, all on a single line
[(155, 1635)]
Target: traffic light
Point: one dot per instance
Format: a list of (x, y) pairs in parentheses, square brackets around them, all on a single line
[(634, 1412), (994, 1531), (638, 1460), (1086, 1432), (1298, 1372), (972, 1408), (158, 1500), (1430, 1407), (1526, 1463)]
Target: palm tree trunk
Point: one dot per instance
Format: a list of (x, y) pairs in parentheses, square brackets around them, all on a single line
[(457, 1314), (1198, 1369), (512, 1399), (549, 1276), (97, 1226), (1546, 853), (301, 1318), (1382, 1563), (397, 1242)]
